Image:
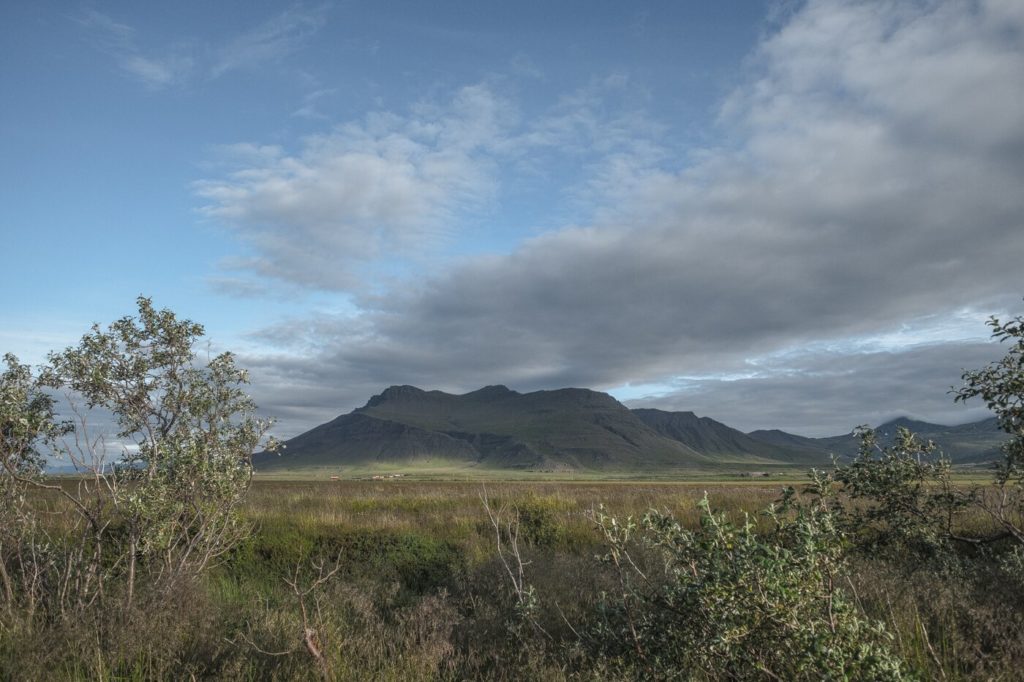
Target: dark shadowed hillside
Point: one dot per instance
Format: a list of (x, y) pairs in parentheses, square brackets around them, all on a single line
[(568, 428), (571, 429), (715, 438), (494, 426)]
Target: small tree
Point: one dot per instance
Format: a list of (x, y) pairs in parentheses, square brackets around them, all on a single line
[(1001, 386), (164, 497), (27, 425), (902, 495), (188, 432)]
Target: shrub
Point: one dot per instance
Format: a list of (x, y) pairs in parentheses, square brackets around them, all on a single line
[(899, 497), (729, 603), (159, 503), (538, 523), (1001, 386)]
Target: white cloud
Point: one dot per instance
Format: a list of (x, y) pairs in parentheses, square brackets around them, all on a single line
[(308, 109), (385, 187), (109, 32), (155, 69), (176, 63), (157, 73), (372, 196), (271, 41)]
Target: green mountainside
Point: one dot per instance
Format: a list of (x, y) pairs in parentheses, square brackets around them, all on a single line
[(566, 430), (494, 426)]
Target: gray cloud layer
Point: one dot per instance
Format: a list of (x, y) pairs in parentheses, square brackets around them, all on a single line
[(873, 177), (828, 393)]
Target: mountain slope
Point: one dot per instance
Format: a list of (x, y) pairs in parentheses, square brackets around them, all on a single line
[(963, 444), (715, 438), (360, 437), (494, 426), (575, 429)]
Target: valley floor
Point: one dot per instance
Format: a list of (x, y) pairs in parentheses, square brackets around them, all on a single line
[(420, 593)]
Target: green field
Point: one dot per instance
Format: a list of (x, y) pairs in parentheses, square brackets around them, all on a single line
[(420, 594), (460, 471)]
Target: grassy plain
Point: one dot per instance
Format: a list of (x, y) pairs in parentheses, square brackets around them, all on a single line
[(421, 553), (420, 594), (725, 468)]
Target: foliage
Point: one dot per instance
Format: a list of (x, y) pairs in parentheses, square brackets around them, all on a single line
[(538, 523), (899, 497), (1001, 386), (27, 424), (1012, 565), (733, 603), (967, 623), (27, 419), (188, 432), (168, 506)]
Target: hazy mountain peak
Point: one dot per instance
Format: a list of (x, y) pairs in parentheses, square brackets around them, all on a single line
[(908, 423), (578, 396), (395, 393), (495, 391)]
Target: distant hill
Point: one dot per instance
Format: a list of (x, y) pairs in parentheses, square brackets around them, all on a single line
[(971, 443), (966, 443), (572, 429)]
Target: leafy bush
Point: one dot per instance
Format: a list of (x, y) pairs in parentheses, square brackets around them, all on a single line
[(538, 524), (158, 501), (1001, 386), (730, 603), (899, 497)]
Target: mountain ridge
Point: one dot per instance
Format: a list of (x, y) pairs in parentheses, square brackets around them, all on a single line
[(970, 443), (570, 429)]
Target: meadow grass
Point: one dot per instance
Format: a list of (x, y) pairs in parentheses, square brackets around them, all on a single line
[(420, 594)]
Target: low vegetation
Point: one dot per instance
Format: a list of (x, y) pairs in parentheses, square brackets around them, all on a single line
[(176, 564)]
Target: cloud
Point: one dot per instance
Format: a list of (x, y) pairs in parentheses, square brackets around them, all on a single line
[(157, 73), (827, 393), (106, 32), (154, 70), (309, 109), (271, 41), (387, 193), (869, 175), (162, 66), (368, 191)]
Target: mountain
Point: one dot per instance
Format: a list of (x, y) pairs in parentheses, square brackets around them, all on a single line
[(971, 443), (965, 443), (715, 438), (574, 429), (840, 446), (565, 429)]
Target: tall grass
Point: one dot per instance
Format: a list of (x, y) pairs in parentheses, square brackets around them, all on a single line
[(419, 594)]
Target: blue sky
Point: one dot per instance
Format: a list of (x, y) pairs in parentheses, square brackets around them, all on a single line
[(778, 214)]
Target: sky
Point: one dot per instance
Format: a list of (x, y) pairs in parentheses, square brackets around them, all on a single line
[(779, 214)]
